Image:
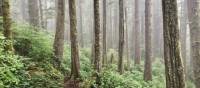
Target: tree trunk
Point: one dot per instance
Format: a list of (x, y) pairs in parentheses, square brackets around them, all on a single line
[(41, 14), (34, 13), (7, 25), (81, 24), (73, 81), (97, 39), (104, 61), (24, 11), (173, 62), (97, 35), (59, 36), (1, 7), (137, 34), (148, 41), (194, 19), (121, 36), (183, 32), (127, 38)]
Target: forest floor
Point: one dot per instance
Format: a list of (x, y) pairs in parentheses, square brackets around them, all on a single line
[(31, 66)]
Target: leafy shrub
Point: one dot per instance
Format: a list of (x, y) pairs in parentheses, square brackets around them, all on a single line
[(10, 67), (130, 79), (37, 45), (86, 68)]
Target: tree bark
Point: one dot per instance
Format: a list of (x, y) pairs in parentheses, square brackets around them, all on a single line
[(59, 35), (97, 40), (97, 35), (81, 23), (194, 20), (73, 81), (127, 39), (1, 7), (7, 25), (121, 36), (183, 32), (104, 61), (41, 14), (173, 62), (137, 34), (34, 13), (148, 41)]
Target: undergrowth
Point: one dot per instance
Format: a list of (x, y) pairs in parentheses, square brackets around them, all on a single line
[(31, 66)]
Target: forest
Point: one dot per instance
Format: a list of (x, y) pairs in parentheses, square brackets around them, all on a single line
[(99, 44)]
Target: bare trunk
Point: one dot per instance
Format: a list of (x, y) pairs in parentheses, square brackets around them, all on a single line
[(121, 36), (104, 61), (1, 7), (97, 39), (41, 14), (137, 34), (148, 41), (81, 24), (34, 13), (59, 36), (183, 32), (127, 39), (173, 62), (73, 81), (194, 19)]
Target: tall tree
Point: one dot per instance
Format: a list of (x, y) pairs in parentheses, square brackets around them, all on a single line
[(59, 36), (34, 13), (73, 81), (1, 5), (24, 11), (148, 41), (137, 33), (41, 14), (7, 25), (127, 38), (121, 36), (194, 19), (104, 60), (97, 35), (81, 38), (183, 32), (173, 62)]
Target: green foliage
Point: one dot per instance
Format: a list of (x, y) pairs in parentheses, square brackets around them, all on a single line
[(132, 79), (86, 68), (37, 45), (10, 67), (35, 69)]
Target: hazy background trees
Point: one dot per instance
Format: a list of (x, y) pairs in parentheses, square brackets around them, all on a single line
[(129, 30)]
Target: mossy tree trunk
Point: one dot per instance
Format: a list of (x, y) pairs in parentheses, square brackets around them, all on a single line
[(7, 25), (194, 20), (97, 39), (73, 81), (59, 35), (148, 41), (173, 62)]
